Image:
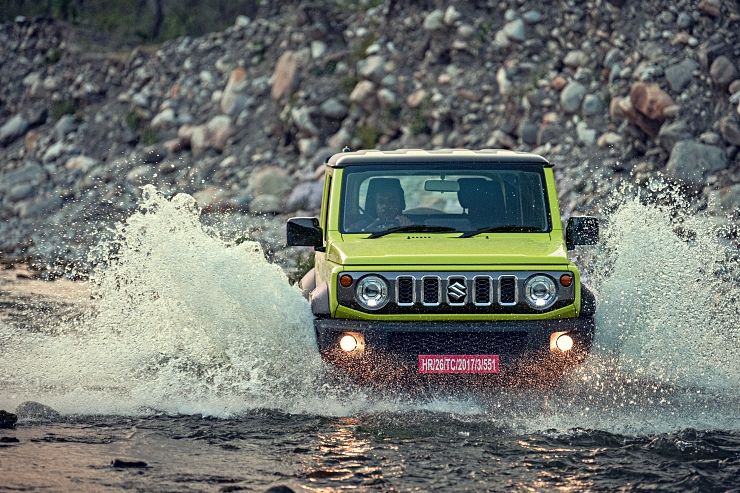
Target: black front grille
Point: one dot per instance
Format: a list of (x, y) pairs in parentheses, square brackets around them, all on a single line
[(406, 290), (415, 343), (507, 290), (482, 290), (431, 290)]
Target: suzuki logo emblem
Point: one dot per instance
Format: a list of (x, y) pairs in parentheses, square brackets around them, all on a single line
[(456, 291)]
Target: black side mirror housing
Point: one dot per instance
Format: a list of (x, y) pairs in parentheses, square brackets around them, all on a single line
[(581, 230), (304, 231)]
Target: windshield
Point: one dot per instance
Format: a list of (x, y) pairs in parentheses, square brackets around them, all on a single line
[(444, 198)]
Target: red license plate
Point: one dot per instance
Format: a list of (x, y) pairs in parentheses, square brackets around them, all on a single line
[(458, 363)]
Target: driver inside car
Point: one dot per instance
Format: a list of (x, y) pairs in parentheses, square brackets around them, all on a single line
[(384, 205)]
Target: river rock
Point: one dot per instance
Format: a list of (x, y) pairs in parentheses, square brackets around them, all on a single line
[(128, 464), (515, 30), (571, 97), (709, 7), (7, 420), (305, 196), (730, 130), (722, 71), (66, 124), (83, 164), (575, 59), (363, 93), (684, 20), (164, 118), (302, 118), (15, 127), (650, 100), (279, 489), (690, 161), (284, 78), (670, 133), (585, 135), (219, 130), (680, 74), (592, 105), (31, 410), (266, 204), (451, 15), (30, 172), (233, 99), (434, 20), (333, 108), (269, 180), (372, 67)]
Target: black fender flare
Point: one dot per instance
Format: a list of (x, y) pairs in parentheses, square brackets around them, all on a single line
[(588, 302)]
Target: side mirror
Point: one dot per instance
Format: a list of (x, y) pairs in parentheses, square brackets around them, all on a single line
[(304, 231), (581, 230)]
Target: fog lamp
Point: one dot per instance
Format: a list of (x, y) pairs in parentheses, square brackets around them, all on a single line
[(564, 343), (348, 343)]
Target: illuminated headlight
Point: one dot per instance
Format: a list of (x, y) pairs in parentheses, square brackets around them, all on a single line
[(540, 292), (372, 292)]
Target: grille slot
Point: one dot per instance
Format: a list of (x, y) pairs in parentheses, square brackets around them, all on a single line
[(405, 291), (482, 291), (430, 291), (507, 290)]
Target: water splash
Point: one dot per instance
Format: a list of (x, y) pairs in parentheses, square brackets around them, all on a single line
[(186, 322), (182, 321)]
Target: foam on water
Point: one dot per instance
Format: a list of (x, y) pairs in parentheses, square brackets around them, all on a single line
[(185, 322)]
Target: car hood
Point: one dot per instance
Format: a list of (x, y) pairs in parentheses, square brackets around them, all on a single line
[(435, 249)]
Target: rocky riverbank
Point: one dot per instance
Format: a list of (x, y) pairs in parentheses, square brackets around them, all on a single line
[(243, 119)]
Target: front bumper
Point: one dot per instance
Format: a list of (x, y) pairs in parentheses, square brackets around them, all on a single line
[(523, 347)]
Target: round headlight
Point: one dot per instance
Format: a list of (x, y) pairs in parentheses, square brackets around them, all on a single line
[(540, 292), (372, 292)]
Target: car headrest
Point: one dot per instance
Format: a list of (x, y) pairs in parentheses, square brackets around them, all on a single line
[(470, 190), (375, 186)]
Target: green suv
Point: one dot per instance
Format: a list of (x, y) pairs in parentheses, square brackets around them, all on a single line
[(445, 262)]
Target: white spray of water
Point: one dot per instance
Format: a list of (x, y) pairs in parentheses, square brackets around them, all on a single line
[(185, 322), (669, 296), (182, 322)]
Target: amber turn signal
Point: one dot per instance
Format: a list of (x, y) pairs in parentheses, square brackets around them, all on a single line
[(345, 280), (566, 280)]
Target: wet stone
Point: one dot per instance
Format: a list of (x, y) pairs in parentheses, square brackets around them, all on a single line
[(722, 71), (680, 74), (128, 464), (7, 420)]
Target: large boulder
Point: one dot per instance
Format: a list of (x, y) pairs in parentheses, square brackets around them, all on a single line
[(305, 196), (233, 99), (650, 100), (285, 76), (270, 180), (722, 71), (680, 74), (690, 161), (571, 97), (15, 127)]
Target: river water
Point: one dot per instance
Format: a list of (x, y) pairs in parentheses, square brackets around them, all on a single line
[(193, 359)]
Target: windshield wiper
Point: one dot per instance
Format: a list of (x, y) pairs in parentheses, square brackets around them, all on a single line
[(510, 228), (413, 228)]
